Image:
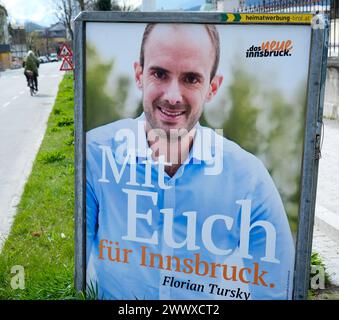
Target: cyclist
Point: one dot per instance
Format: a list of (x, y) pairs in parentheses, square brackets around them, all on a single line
[(32, 63)]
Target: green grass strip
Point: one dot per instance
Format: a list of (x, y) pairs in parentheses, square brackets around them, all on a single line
[(42, 236)]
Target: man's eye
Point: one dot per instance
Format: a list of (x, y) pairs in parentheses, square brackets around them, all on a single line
[(191, 79), (160, 74)]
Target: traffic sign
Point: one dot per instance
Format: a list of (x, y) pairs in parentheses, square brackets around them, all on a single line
[(66, 65), (65, 51)]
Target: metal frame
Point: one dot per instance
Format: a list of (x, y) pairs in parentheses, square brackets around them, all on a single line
[(311, 156), (79, 150), (313, 122)]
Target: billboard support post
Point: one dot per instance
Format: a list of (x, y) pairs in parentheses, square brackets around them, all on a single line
[(79, 147), (315, 98)]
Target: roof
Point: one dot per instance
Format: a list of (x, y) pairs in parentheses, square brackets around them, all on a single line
[(57, 27)]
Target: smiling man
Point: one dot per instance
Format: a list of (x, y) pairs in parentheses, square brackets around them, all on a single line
[(176, 81), (175, 210)]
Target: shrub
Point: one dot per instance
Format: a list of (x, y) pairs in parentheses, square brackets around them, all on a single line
[(50, 157)]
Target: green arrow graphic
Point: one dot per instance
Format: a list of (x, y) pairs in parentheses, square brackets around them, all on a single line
[(223, 17), (237, 17)]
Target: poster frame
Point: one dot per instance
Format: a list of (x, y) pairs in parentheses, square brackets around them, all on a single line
[(313, 123)]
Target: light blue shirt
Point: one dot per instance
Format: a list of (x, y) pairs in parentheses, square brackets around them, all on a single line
[(217, 229)]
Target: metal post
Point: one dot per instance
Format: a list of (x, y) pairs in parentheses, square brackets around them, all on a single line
[(316, 81), (79, 144)]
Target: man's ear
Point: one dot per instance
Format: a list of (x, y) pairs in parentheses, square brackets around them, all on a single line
[(138, 74), (214, 87)]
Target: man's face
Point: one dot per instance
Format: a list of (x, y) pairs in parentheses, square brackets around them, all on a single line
[(175, 80)]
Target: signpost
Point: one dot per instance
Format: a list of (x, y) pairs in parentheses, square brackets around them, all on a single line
[(67, 55), (66, 64)]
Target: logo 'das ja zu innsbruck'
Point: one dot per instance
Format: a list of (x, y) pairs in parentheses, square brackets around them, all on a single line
[(271, 49)]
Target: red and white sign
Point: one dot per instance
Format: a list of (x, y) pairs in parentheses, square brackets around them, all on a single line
[(67, 64), (65, 51)]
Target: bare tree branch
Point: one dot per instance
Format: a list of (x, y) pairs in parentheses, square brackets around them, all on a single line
[(65, 12)]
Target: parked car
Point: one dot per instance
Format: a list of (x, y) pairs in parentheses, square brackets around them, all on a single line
[(53, 57), (43, 59)]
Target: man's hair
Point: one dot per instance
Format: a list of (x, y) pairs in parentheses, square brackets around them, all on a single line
[(212, 32)]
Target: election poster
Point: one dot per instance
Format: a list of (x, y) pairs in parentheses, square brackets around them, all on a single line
[(194, 144)]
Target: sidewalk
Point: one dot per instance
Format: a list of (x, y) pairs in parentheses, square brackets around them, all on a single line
[(326, 229), (329, 252)]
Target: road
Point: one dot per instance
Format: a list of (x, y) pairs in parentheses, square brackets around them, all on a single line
[(23, 122)]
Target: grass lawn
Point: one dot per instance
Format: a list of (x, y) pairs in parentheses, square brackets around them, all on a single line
[(42, 236)]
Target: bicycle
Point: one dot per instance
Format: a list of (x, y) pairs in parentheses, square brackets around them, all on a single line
[(30, 77)]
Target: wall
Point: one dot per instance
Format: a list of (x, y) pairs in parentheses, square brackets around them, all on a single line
[(331, 104)]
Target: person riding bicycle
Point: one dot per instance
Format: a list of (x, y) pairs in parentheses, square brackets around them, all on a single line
[(31, 63)]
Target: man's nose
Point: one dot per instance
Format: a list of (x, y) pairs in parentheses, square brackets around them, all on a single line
[(172, 93)]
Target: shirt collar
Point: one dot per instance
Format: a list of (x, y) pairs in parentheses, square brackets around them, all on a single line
[(202, 149)]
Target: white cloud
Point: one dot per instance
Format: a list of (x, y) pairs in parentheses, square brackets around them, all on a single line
[(39, 11)]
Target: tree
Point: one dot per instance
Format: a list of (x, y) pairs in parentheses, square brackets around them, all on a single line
[(114, 5), (65, 12), (32, 41), (123, 6), (103, 5), (103, 107), (85, 4)]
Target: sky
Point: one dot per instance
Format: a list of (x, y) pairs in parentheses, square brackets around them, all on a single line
[(178, 4), (43, 11), (38, 11)]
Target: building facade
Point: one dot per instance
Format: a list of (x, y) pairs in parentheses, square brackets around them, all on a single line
[(18, 41), (4, 36), (5, 54)]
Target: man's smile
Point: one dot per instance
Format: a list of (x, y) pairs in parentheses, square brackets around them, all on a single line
[(170, 114)]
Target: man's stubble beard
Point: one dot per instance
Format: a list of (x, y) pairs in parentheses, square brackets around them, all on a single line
[(163, 132)]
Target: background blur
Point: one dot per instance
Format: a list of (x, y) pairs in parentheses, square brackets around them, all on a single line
[(261, 104)]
